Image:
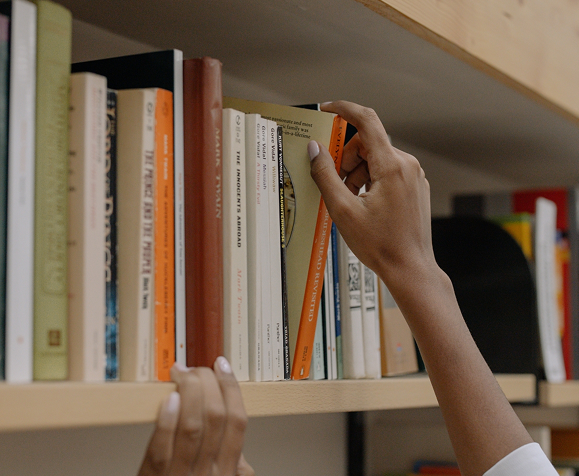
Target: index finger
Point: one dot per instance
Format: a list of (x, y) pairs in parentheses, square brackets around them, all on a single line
[(370, 129)]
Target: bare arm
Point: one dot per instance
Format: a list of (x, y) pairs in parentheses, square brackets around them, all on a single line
[(388, 228)]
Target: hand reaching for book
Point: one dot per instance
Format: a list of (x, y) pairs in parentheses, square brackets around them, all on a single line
[(388, 226), (200, 428)]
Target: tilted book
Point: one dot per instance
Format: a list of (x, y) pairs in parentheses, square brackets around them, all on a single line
[(254, 197), (86, 230), (235, 325), (202, 116), (136, 227), (54, 34), (111, 242), (164, 309), (157, 69), (20, 219), (302, 200)]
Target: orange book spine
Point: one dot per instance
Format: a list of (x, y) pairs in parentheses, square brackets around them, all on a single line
[(312, 295), (164, 238)]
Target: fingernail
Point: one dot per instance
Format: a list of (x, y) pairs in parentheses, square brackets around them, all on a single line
[(180, 367), (326, 103), (170, 411), (224, 365), (173, 401), (313, 149)]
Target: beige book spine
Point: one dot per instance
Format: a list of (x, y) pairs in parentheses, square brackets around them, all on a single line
[(86, 227)]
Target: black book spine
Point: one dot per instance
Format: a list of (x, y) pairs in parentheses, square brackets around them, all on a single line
[(286, 350)]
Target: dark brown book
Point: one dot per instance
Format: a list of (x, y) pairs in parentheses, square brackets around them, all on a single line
[(202, 121)]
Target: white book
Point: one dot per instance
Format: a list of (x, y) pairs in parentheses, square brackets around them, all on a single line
[(545, 262), (264, 249), (235, 326), (325, 305), (351, 312), (275, 254), (317, 366), (86, 230), (20, 203), (178, 157), (135, 176), (370, 323), (253, 197), (331, 305)]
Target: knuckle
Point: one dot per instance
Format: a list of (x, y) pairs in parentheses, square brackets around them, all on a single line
[(215, 415), (238, 421), (158, 462), (191, 429)]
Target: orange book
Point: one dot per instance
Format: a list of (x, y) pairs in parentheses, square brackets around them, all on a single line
[(164, 343), (315, 280)]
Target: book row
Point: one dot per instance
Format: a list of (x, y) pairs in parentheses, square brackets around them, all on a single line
[(144, 223)]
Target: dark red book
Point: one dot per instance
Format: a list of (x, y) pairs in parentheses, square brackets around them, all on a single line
[(202, 121)]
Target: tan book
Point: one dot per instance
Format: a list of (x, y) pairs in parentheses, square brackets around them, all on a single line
[(54, 33), (135, 195), (396, 341), (86, 231)]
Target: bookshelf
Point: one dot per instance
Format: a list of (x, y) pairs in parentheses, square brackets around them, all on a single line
[(72, 404)]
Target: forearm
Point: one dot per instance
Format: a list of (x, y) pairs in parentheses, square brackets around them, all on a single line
[(482, 425)]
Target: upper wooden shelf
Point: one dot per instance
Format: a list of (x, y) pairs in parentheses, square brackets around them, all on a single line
[(72, 404), (482, 83)]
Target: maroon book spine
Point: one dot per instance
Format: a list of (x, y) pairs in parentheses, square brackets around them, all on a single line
[(202, 121)]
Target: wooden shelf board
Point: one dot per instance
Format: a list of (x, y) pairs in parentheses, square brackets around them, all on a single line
[(564, 394), (72, 404)]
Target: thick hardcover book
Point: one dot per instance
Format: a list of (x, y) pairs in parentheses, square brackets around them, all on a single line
[(202, 101), (337, 307), (86, 230), (299, 127), (275, 254), (370, 323), (164, 310), (235, 325), (158, 69), (398, 354), (4, 70), (351, 312), (54, 33), (136, 226), (111, 242), (265, 259), (254, 197), (20, 213), (283, 255)]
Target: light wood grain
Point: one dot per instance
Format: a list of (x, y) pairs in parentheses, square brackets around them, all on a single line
[(530, 45), (71, 404)]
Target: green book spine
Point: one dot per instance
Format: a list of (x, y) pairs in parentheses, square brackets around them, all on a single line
[(4, 43), (54, 30)]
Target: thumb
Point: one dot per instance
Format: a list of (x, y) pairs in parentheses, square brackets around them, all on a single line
[(338, 198)]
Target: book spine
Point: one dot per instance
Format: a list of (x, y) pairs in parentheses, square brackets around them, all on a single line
[(20, 222), (111, 242), (311, 302), (370, 323), (337, 307), (329, 290), (275, 253), (545, 232), (264, 236), (164, 310), (574, 277), (136, 173), (327, 326), (4, 51), (87, 227), (351, 312), (235, 326), (202, 116), (317, 367), (54, 31), (283, 256), (178, 156), (253, 168)]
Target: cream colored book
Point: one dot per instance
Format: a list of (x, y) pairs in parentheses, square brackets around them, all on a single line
[(86, 230), (235, 326), (135, 196), (370, 323)]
